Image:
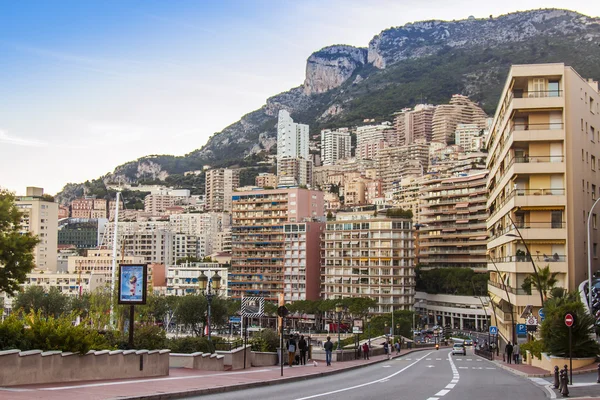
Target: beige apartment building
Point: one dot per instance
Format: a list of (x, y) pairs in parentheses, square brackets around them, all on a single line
[(40, 217), (395, 163), (453, 218), (414, 124), (220, 185), (370, 139), (99, 261), (266, 180), (368, 255), (461, 110), (543, 149)]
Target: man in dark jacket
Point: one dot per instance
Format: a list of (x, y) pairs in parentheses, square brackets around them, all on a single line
[(328, 346), (509, 350), (303, 347)]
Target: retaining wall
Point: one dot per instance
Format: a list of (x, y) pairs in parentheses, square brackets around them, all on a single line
[(35, 366)]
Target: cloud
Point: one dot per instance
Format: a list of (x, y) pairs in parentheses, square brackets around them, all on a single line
[(6, 138)]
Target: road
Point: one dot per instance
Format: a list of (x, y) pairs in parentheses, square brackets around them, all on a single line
[(423, 375)]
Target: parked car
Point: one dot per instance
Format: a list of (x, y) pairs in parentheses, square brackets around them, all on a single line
[(459, 348)]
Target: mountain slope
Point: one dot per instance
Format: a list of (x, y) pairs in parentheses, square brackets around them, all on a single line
[(403, 66)]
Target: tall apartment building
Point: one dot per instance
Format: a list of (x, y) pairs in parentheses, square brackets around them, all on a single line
[(99, 261), (294, 171), (543, 160), (89, 207), (466, 136), (82, 233), (461, 110), (335, 145), (394, 163), (405, 194), (412, 125), (292, 138), (370, 139), (220, 185), (258, 238), (367, 255), (266, 180), (40, 217), (453, 218), (158, 204)]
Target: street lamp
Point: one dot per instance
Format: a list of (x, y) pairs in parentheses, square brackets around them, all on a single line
[(338, 309), (206, 287), (589, 249), (537, 276), (369, 328), (512, 309)]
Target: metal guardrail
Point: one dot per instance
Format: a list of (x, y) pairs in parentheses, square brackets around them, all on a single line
[(487, 354)]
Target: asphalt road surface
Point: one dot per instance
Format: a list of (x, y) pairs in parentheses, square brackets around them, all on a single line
[(423, 375)]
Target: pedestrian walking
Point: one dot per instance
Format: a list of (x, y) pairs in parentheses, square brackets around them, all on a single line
[(365, 349), (516, 352), (328, 346), (509, 350), (397, 346), (291, 350), (303, 347), (386, 347)]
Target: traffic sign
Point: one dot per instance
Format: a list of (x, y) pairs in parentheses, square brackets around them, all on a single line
[(569, 320), (282, 311), (493, 330), (532, 320), (235, 320), (521, 330), (542, 314)]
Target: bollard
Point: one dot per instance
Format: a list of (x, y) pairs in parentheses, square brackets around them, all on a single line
[(598, 381), (556, 380), (565, 386), (567, 374), (560, 381)]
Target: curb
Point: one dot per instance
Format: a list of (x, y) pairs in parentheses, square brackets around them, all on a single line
[(545, 375), (232, 388)]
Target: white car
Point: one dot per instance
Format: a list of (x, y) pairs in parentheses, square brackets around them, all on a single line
[(459, 348)]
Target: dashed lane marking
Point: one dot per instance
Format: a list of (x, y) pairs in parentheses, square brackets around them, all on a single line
[(438, 359), (433, 398), (442, 392)]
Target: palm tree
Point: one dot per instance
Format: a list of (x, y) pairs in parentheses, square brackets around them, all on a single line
[(547, 280)]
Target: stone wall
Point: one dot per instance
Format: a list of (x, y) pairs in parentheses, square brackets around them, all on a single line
[(35, 366)]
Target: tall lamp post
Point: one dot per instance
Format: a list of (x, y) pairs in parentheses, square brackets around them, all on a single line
[(589, 249), (338, 310), (207, 285), (369, 328), (512, 309), (537, 276)]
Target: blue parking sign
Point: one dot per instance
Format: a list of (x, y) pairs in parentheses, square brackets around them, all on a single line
[(521, 330), (493, 330)]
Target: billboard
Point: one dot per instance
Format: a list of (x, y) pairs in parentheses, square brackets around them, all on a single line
[(133, 280)]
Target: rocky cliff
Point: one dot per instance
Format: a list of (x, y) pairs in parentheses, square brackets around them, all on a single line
[(328, 68)]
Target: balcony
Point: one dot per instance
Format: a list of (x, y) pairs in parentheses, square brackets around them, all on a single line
[(522, 99), (522, 264), (529, 198), (538, 132)]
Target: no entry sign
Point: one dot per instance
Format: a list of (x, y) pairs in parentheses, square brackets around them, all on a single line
[(569, 320)]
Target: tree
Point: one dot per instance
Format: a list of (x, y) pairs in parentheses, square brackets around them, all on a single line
[(190, 312), (35, 298), (555, 334), (16, 248), (547, 280)]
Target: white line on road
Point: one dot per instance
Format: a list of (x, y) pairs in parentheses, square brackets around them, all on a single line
[(438, 359), (362, 385), (442, 392), (469, 359), (489, 368), (386, 366), (433, 398), (454, 381), (450, 386), (463, 367)]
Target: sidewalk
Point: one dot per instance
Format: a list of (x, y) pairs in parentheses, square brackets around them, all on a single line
[(183, 382), (534, 372)]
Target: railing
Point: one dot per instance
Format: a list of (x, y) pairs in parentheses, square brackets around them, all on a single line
[(525, 258), (534, 94), (537, 127), (531, 225), (228, 346), (527, 192), (512, 290), (487, 354)]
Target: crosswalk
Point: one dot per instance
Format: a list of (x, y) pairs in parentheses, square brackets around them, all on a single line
[(461, 363)]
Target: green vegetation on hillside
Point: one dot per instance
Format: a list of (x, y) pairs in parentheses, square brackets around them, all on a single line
[(456, 281)]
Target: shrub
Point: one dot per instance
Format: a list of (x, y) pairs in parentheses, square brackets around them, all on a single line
[(190, 344), (149, 337), (266, 340), (535, 347)]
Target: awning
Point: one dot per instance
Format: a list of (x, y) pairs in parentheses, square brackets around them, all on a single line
[(543, 208)]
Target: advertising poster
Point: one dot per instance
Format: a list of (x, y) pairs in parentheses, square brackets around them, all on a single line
[(132, 283)]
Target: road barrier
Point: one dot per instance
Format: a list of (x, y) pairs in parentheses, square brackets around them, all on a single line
[(487, 354)]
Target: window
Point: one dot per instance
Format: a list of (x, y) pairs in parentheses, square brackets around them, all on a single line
[(594, 221), (594, 249), (593, 192), (581, 124), (553, 89), (592, 105), (556, 219), (593, 163)]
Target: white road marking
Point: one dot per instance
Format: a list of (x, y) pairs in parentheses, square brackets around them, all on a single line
[(361, 385), (442, 392), (476, 367), (489, 368), (438, 359), (408, 359), (454, 381), (459, 359), (385, 380), (386, 366), (172, 378), (433, 398), (428, 359), (450, 386), (469, 359), (431, 366), (479, 359), (463, 367)]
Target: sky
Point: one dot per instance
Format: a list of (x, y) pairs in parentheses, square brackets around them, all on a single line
[(89, 85)]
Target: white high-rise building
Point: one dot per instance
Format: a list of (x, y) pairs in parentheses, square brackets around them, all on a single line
[(292, 138), (466, 136), (335, 145), (220, 184)]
